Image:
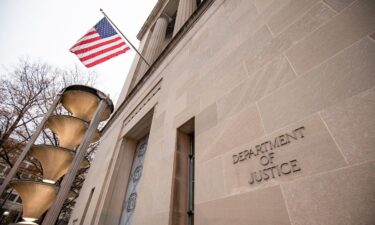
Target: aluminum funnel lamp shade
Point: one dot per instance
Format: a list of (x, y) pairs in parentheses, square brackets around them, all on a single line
[(36, 197), (55, 161), (70, 130), (83, 104)]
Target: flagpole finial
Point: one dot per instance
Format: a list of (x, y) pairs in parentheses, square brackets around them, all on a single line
[(101, 10)]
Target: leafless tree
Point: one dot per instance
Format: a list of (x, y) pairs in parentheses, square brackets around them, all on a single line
[(26, 92)]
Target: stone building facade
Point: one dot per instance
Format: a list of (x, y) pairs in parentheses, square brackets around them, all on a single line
[(252, 112)]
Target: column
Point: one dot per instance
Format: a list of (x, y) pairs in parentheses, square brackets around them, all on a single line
[(157, 39), (184, 11), (155, 44)]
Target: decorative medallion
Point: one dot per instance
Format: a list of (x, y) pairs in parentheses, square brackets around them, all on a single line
[(131, 202), (137, 173), (142, 149)]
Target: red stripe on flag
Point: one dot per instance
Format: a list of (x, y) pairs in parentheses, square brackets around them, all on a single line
[(106, 58), (96, 46), (87, 41), (89, 33), (102, 52)]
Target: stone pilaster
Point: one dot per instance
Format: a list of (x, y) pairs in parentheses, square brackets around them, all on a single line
[(184, 11)]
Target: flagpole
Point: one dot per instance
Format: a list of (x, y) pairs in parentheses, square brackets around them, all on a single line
[(105, 15)]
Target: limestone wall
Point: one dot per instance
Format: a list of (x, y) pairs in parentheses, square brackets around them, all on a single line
[(284, 87)]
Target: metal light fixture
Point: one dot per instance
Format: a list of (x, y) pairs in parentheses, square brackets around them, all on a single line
[(36, 197), (88, 107), (26, 223), (83, 104), (55, 161), (70, 130)]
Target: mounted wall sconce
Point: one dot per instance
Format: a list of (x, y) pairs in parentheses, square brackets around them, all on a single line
[(36, 197), (83, 105), (88, 107), (69, 129), (55, 161)]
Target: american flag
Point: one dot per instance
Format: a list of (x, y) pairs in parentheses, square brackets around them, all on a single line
[(99, 44)]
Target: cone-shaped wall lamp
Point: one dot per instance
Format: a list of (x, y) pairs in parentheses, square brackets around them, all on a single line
[(55, 161), (36, 197), (70, 130), (83, 104)]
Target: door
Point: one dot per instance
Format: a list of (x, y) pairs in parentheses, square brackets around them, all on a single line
[(134, 178)]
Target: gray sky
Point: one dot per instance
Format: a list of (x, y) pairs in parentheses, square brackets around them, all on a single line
[(46, 29)]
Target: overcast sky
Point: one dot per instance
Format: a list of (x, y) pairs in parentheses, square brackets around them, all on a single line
[(46, 29)]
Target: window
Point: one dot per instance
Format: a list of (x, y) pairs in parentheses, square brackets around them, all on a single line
[(170, 26), (12, 197), (183, 182)]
